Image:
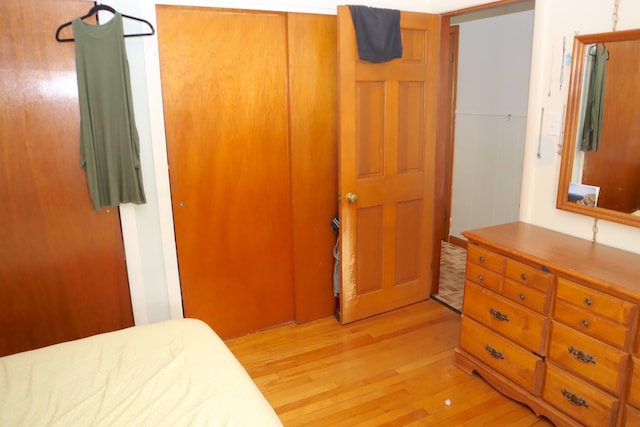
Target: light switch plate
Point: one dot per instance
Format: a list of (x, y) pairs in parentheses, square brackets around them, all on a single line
[(554, 120)]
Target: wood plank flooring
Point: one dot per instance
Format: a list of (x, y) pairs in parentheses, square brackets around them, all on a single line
[(394, 369)]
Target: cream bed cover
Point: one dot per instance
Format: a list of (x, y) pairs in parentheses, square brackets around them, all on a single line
[(173, 373)]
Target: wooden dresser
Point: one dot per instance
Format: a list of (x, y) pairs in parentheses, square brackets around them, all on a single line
[(551, 320)]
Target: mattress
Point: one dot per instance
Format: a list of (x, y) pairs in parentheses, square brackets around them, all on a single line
[(172, 373)]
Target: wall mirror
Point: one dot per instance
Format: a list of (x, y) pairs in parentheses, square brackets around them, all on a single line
[(600, 168)]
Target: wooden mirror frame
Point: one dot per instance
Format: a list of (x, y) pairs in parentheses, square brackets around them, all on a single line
[(571, 129)]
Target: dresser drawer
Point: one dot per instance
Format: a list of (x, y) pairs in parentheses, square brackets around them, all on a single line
[(631, 417), (511, 320), (613, 333), (484, 277), (526, 296), (634, 388), (589, 358), (485, 258), (529, 276), (519, 365), (578, 399), (598, 303)]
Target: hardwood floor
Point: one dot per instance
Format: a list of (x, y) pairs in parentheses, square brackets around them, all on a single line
[(394, 369)]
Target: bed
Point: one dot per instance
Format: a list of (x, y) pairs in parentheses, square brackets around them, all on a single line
[(173, 373)]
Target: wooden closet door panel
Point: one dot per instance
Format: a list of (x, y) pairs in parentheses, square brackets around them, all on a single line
[(62, 266), (224, 83), (313, 88)]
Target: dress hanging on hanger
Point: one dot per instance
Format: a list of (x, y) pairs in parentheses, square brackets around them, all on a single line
[(109, 139), (594, 111)]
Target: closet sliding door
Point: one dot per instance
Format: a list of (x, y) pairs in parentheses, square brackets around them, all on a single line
[(62, 264), (224, 88)]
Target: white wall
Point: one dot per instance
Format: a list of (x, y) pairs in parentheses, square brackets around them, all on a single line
[(554, 21), (494, 59), (148, 229)]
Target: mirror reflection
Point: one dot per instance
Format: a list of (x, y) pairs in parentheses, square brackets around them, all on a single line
[(600, 171)]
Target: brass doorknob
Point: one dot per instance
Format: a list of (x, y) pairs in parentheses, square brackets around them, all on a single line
[(352, 197)]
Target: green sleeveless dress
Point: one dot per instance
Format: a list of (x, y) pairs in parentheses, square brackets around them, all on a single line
[(109, 141)]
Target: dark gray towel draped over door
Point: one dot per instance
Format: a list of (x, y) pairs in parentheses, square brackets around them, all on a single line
[(377, 33)]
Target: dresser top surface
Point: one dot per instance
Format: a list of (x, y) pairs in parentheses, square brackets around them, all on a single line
[(602, 265)]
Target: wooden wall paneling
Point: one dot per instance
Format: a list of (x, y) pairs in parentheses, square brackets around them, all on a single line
[(62, 265), (314, 159)]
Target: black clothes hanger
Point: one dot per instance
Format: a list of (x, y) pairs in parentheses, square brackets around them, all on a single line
[(100, 7), (595, 46)]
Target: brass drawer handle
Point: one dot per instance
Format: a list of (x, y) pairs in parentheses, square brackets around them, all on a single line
[(523, 276), (493, 352), (587, 301), (480, 277), (522, 297), (581, 356), (585, 323), (574, 399), (481, 259), (501, 317)]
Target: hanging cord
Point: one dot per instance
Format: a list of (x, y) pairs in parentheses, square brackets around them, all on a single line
[(539, 154), (594, 229), (564, 50)]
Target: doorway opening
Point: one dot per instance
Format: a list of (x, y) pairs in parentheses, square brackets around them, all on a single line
[(482, 146)]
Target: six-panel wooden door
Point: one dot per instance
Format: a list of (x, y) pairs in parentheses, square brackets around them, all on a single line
[(387, 170)]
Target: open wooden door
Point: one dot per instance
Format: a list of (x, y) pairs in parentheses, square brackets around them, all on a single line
[(387, 168)]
